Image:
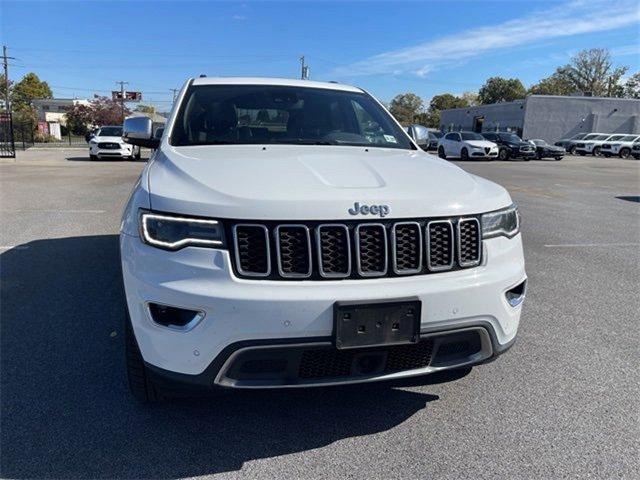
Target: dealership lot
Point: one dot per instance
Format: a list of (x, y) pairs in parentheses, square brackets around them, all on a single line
[(562, 403)]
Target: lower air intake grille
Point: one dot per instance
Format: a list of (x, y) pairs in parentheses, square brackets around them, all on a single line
[(252, 250), (332, 363), (469, 242)]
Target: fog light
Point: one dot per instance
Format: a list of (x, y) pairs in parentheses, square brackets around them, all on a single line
[(515, 296), (174, 317)]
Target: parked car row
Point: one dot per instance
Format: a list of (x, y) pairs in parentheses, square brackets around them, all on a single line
[(598, 144)]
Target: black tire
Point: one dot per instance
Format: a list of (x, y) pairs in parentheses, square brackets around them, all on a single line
[(572, 150), (93, 158), (624, 152), (558, 158), (464, 154), (441, 153), (138, 154), (596, 151), (607, 155), (503, 154), (140, 384), (539, 155)]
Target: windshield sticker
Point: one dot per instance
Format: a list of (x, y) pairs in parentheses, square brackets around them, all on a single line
[(390, 139)]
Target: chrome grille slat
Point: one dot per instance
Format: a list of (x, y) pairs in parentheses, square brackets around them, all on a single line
[(293, 248), (406, 251), (439, 235), (469, 242), (372, 253), (355, 250), (333, 241), (250, 260)]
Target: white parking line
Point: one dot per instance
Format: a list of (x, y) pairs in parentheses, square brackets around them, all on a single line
[(578, 245), (52, 211)]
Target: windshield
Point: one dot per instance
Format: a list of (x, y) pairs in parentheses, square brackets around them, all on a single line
[(628, 138), (615, 137), (510, 137), (540, 143), (271, 114), (591, 136), (579, 136), (471, 136), (600, 137), (110, 132)]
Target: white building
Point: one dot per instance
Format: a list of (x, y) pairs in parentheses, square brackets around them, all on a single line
[(52, 113)]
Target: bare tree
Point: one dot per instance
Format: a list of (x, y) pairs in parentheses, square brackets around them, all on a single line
[(592, 71)]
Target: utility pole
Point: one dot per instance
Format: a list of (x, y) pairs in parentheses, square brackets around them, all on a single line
[(6, 76), (304, 69), (174, 90), (122, 84)]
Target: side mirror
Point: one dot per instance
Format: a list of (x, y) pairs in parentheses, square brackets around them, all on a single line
[(138, 131), (419, 134)]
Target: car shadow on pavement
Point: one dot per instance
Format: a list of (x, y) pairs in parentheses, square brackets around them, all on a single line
[(103, 160), (66, 410)]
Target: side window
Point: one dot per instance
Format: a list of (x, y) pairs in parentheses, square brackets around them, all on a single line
[(489, 136), (456, 137), (451, 136)]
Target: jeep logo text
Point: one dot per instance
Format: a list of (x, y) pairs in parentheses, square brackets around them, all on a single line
[(380, 210)]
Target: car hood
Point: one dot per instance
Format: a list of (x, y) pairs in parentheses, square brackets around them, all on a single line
[(480, 143), (553, 148), (286, 182)]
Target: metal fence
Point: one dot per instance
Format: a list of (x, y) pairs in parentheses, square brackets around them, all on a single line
[(26, 135), (7, 144)]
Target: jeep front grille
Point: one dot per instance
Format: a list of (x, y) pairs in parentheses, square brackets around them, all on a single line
[(350, 250)]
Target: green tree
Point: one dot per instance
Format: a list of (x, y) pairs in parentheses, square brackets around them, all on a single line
[(556, 84), (28, 89), (592, 71), (441, 102), (406, 107), (632, 86), (498, 89)]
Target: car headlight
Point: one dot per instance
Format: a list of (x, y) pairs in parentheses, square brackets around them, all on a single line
[(505, 222), (172, 232), (93, 142)]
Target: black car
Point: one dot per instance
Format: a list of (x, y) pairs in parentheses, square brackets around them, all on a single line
[(544, 150), (510, 145), (635, 150)]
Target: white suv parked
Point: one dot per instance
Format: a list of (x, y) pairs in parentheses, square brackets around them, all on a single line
[(289, 233), (466, 145), (107, 143), (594, 145), (621, 147)]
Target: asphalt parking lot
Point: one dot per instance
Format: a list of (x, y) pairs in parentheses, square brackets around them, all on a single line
[(563, 403)]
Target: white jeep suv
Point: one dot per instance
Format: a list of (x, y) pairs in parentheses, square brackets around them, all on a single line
[(289, 233), (466, 145), (621, 147)]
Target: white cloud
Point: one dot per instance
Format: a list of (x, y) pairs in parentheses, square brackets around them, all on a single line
[(568, 19)]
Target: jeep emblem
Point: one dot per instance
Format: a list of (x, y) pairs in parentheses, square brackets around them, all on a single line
[(380, 210)]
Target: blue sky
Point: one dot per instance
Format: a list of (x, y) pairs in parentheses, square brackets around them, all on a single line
[(428, 47)]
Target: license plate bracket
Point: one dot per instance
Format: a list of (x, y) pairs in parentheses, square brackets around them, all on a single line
[(358, 325)]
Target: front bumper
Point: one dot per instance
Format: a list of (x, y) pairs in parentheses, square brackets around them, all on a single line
[(238, 312), (476, 153), (123, 152)]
